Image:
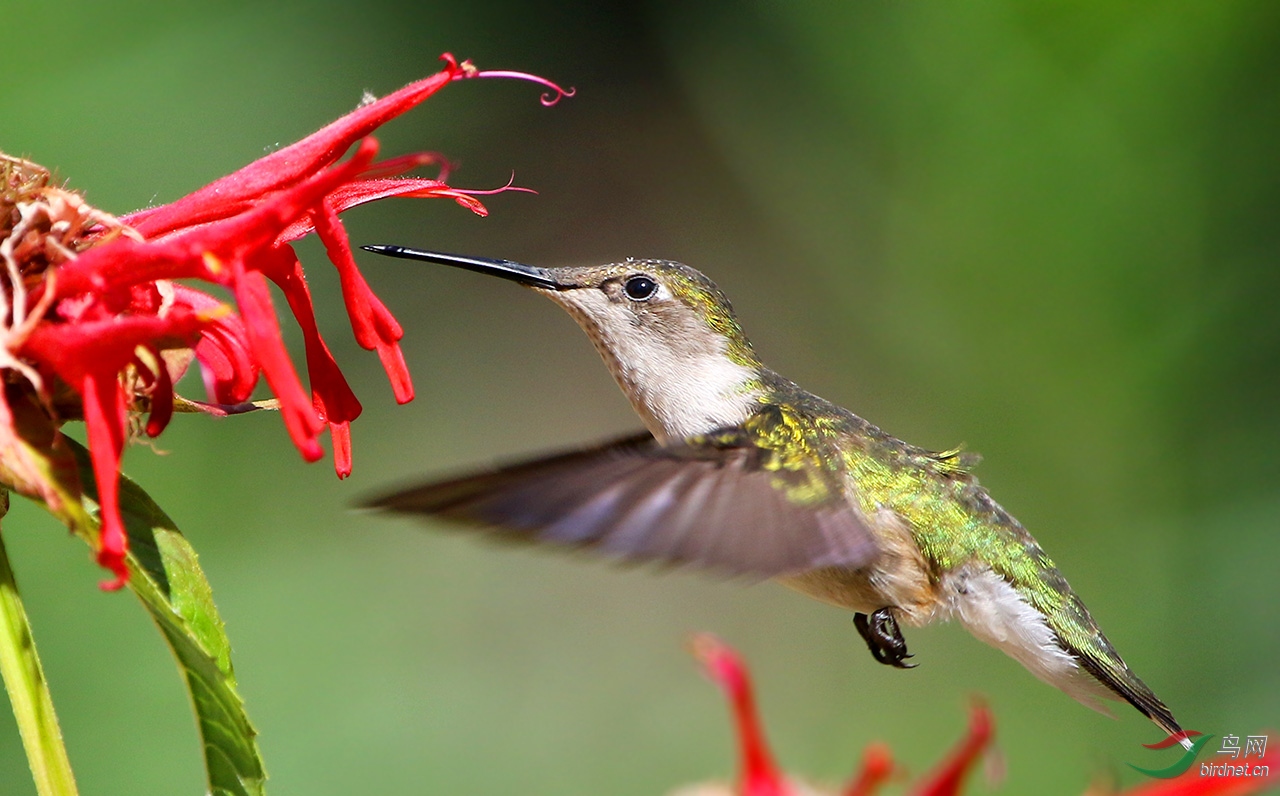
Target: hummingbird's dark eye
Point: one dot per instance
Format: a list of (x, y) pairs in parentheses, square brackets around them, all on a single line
[(639, 288)]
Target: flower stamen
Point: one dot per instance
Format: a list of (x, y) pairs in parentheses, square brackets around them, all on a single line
[(548, 99)]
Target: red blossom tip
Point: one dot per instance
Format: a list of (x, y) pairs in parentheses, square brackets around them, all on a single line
[(759, 776), (117, 566), (877, 768), (947, 779), (239, 190), (341, 436)]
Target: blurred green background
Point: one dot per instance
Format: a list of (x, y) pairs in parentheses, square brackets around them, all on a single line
[(1047, 230)]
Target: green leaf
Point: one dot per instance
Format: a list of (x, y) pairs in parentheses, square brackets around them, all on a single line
[(166, 576), (28, 690), (55, 470)]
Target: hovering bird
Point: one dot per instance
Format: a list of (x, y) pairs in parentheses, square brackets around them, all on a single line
[(745, 473)]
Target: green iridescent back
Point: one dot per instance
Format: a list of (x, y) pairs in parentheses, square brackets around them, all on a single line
[(952, 518)]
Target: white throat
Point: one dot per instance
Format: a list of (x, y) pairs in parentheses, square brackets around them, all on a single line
[(682, 398), (678, 391)]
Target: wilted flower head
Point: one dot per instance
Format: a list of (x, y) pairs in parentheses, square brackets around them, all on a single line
[(93, 325)]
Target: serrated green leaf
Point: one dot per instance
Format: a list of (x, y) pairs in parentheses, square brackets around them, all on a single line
[(165, 574)]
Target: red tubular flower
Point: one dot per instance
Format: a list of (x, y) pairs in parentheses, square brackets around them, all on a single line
[(760, 775), (104, 310), (948, 778), (230, 370), (877, 768), (89, 357), (332, 398)]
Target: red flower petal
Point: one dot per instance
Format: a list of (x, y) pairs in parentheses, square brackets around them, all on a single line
[(332, 397), (374, 326), (161, 399), (300, 419), (196, 252), (877, 768), (230, 371), (759, 776), (393, 167), (340, 434), (238, 191), (950, 775), (104, 420), (89, 356), (365, 191)]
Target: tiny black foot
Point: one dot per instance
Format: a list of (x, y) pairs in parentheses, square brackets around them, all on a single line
[(884, 638)]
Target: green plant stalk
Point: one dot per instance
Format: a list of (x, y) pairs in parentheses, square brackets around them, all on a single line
[(28, 691)]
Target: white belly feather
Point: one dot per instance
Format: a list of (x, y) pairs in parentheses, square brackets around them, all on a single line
[(992, 610)]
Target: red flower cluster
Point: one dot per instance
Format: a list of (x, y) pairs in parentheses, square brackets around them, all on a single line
[(760, 776), (90, 301)]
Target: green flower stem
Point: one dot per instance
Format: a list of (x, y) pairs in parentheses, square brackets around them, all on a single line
[(28, 691)]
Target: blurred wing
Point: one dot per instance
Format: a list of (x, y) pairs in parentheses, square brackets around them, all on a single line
[(713, 506)]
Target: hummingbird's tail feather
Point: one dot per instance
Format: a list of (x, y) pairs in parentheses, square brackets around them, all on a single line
[(997, 612), (1080, 635), (1062, 647), (1110, 670)]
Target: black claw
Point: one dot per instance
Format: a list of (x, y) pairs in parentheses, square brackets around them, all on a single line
[(884, 638)]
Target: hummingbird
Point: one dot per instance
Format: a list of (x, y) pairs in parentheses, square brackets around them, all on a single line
[(744, 473)]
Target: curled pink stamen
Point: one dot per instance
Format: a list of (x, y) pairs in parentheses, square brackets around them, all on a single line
[(508, 187), (548, 99)]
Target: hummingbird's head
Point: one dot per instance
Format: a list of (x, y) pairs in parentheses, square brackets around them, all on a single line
[(667, 333), (661, 309)]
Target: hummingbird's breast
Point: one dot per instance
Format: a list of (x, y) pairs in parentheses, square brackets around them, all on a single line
[(900, 576)]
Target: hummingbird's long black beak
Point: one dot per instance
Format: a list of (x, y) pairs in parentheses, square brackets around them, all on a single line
[(516, 272)]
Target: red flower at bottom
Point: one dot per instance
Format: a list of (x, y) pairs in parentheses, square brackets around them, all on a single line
[(759, 774)]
